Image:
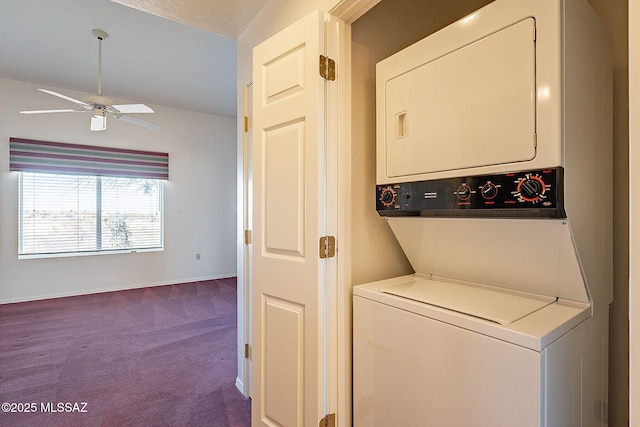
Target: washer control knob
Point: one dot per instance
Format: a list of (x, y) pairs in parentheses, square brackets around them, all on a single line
[(463, 192), (489, 190), (531, 188), (387, 196)]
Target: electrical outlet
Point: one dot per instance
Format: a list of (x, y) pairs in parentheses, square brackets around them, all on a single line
[(197, 256)]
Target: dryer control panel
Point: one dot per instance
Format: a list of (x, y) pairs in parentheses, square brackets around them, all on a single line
[(536, 193)]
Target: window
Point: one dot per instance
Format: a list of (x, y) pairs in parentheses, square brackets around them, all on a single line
[(79, 199), (71, 214)]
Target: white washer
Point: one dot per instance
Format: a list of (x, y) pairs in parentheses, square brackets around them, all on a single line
[(418, 365), (433, 351)]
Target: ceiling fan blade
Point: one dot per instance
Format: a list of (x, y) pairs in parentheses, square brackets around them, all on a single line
[(98, 121), (68, 98), (133, 108), (51, 111), (140, 122)]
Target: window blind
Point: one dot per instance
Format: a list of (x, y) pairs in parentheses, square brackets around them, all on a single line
[(75, 214), (62, 158)]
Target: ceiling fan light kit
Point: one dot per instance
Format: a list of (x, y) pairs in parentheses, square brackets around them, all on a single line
[(101, 106), (98, 121)]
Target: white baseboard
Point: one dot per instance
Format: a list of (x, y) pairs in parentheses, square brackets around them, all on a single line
[(240, 385)]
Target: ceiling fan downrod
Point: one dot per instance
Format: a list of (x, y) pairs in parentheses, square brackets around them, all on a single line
[(100, 35)]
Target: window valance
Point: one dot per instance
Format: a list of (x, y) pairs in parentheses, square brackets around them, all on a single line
[(63, 158)]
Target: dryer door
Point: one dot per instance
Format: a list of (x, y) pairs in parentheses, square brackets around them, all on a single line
[(475, 106)]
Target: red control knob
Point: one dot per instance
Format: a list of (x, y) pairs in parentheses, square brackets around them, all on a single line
[(387, 196), (531, 189), (489, 190), (463, 192)]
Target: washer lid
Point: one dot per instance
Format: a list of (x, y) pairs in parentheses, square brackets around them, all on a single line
[(488, 304)]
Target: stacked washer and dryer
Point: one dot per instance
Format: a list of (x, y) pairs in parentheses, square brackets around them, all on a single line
[(494, 148)]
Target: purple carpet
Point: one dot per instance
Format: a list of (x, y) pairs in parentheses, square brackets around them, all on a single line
[(161, 356)]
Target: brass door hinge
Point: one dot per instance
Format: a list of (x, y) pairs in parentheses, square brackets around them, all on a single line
[(327, 68), (329, 420), (247, 351), (246, 124), (327, 247), (247, 237)]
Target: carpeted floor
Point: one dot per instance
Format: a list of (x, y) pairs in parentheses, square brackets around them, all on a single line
[(161, 356)]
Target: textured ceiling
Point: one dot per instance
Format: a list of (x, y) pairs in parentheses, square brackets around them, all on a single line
[(227, 18), (146, 58)]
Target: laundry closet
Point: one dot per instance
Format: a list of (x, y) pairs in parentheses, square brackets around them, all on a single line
[(505, 321)]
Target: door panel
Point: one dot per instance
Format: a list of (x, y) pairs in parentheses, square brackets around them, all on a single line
[(289, 177), (283, 328), (284, 75), (284, 187)]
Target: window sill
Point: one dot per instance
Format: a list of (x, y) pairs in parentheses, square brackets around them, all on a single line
[(88, 253)]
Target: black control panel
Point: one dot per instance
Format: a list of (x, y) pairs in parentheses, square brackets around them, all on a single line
[(537, 193)]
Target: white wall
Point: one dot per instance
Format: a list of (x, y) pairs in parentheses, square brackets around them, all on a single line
[(199, 199)]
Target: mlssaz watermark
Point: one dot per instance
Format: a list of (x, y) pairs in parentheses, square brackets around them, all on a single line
[(49, 407)]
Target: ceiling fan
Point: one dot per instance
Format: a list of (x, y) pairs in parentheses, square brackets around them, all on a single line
[(100, 106)]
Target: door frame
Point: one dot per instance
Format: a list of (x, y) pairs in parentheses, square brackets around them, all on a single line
[(634, 212), (243, 382)]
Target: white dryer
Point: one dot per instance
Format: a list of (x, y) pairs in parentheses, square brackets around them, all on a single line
[(494, 173)]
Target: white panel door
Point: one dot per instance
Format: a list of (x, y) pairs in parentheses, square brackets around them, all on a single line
[(289, 216)]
